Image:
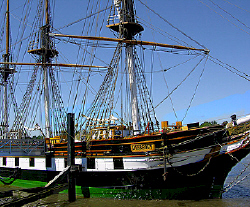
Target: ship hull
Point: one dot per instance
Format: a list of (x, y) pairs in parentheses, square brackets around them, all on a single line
[(200, 180), (195, 181), (189, 166)]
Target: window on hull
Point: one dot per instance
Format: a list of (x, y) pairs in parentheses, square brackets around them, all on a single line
[(17, 161), (4, 161), (118, 163), (91, 163), (32, 162), (48, 161)]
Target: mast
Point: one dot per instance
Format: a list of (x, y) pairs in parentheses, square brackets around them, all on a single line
[(5, 74), (7, 54), (46, 53), (128, 28), (128, 34), (46, 59)]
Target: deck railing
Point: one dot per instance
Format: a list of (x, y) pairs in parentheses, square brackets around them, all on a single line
[(22, 146)]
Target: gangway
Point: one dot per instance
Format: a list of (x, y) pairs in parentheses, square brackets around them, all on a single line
[(54, 186)]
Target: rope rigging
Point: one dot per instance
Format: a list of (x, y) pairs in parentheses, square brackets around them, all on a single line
[(229, 68), (181, 82), (103, 112), (25, 115), (21, 118), (171, 24), (229, 14), (214, 150), (189, 106), (102, 107), (21, 30), (227, 18), (236, 6), (237, 179), (84, 18), (89, 55), (145, 101), (86, 51), (59, 110), (163, 33)]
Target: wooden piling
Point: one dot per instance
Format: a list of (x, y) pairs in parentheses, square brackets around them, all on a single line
[(71, 156)]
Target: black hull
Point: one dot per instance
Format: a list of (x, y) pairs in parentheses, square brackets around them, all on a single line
[(195, 181), (201, 180)]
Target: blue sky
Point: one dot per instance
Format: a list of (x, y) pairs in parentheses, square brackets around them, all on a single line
[(219, 110), (221, 26)]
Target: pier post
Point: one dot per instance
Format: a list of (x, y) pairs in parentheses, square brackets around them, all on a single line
[(71, 156)]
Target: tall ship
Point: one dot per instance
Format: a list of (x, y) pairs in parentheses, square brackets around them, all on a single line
[(121, 148)]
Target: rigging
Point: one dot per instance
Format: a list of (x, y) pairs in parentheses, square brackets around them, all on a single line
[(172, 25), (225, 17)]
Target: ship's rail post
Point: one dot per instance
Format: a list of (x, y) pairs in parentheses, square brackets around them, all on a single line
[(10, 146), (71, 156)]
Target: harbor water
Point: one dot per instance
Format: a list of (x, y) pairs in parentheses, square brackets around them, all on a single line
[(237, 195)]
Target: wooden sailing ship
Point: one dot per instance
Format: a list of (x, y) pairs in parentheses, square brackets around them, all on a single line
[(133, 158)]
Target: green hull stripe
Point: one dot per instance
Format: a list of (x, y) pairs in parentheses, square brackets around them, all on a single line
[(28, 183), (125, 193)]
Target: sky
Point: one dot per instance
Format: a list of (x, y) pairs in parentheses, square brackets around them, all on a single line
[(221, 26)]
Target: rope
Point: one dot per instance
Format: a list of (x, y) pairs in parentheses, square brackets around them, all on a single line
[(195, 90), (193, 174), (79, 20), (233, 182), (237, 6), (162, 32), (230, 14), (231, 185), (172, 25), (229, 68), (208, 162), (180, 83), (8, 181), (224, 17)]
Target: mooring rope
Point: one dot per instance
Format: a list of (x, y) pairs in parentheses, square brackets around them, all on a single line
[(9, 180)]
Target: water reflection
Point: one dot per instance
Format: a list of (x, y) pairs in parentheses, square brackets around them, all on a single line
[(97, 202), (241, 190)]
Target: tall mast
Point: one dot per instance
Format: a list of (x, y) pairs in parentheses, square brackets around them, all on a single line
[(46, 53), (129, 17), (46, 59), (7, 29), (5, 73), (128, 28)]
